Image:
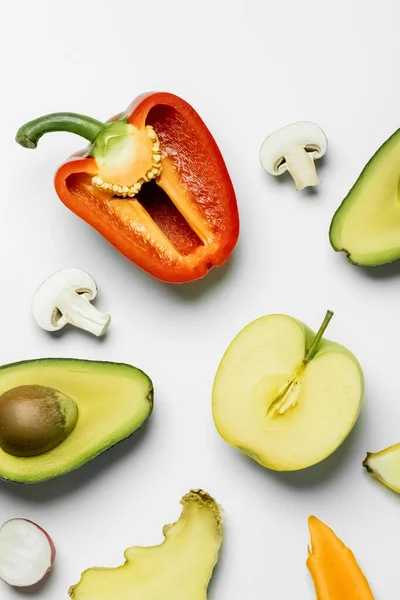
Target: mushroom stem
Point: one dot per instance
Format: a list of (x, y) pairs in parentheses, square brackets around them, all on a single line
[(300, 165), (77, 310)]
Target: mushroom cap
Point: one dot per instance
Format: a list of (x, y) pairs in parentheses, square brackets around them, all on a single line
[(67, 281), (303, 134)]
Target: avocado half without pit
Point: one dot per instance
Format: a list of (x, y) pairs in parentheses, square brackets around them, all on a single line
[(284, 395), (58, 414), (366, 226)]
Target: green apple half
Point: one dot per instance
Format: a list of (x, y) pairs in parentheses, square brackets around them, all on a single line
[(284, 395)]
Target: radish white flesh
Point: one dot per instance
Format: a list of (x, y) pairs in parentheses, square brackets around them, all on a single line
[(26, 553)]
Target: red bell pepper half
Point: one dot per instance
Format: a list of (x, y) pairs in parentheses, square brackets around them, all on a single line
[(153, 182)]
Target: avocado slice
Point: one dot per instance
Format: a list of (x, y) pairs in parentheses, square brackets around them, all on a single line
[(113, 401), (178, 569), (366, 226)]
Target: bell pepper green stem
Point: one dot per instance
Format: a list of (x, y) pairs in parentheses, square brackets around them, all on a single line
[(29, 134), (317, 340)]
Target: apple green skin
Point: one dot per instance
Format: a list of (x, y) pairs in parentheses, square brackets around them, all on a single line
[(328, 345), (324, 347)]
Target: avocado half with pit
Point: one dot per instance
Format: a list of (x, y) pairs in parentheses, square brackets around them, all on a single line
[(366, 226), (57, 414)]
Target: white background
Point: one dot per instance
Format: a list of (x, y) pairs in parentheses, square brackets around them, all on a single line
[(248, 67)]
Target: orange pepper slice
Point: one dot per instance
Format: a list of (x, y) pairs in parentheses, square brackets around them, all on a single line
[(333, 566)]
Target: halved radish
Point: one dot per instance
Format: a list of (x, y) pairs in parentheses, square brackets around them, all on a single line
[(27, 553)]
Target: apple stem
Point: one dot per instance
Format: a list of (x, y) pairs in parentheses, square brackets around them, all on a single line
[(318, 337), (288, 395)]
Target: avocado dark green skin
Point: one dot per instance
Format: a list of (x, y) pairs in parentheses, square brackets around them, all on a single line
[(22, 484), (149, 399), (365, 174)]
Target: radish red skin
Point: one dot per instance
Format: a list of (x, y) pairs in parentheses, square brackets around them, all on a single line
[(52, 545), (51, 549)]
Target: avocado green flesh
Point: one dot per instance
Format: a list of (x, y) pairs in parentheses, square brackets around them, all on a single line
[(113, 401), (367, 224)]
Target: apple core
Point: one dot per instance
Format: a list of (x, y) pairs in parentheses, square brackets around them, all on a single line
[(285, 395)]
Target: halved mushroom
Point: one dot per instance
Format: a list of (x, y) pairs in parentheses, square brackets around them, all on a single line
[(294, 148), (65, 298)]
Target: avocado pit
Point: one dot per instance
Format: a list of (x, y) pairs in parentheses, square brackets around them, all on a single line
[(35, 419)]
